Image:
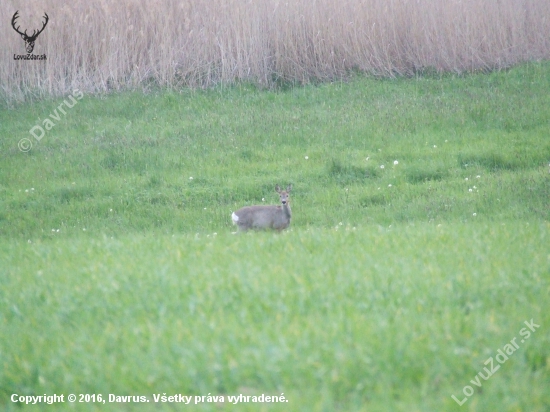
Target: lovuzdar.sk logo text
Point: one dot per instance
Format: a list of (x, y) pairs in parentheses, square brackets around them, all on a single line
[(29, 39)]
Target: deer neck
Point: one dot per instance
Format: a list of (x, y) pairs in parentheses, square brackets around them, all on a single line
[(287, 211)]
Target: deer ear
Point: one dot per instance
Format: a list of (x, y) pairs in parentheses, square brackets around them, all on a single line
[(289, 188), (277, 189)]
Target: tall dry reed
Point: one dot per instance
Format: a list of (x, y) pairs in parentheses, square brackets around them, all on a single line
[(100, 45)]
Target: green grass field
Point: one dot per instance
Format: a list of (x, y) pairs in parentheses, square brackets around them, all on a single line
[(419, 246)]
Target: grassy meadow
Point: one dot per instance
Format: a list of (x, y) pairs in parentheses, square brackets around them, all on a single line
[(419, 246)]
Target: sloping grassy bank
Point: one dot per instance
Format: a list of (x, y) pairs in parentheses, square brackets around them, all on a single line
[(418, 247)]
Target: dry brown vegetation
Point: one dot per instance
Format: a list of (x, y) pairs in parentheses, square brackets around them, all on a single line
[(100, 45)]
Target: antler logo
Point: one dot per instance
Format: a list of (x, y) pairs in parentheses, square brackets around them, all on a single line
[(29, 40)]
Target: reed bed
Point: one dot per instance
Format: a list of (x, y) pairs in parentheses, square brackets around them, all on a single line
[(101, 45)]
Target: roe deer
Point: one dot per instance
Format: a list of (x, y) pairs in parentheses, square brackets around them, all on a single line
[(265, 217)]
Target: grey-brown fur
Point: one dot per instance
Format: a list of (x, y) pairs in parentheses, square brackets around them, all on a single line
[(265, 217)]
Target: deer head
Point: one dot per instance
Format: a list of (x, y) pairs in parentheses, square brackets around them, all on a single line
[(29, 40)]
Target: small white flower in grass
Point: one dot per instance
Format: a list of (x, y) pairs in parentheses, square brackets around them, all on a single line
[(381, 166), (389, 185), (446, 140), (263, 199), (395, 162), (469, 190), (475, 187), (26, 190), (57, 230), (204, 208), (110, 210), (83, 229), (474, 214), (32, 188), (368, 157), (478, 176), (190, 177), (340, 223), (466, 178), (307, 157), (435, 147)]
